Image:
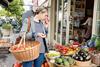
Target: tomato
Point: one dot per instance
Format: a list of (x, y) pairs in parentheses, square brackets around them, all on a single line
[(22, 47), (42, 65), (17, 64), (91, 49), (46, 64)]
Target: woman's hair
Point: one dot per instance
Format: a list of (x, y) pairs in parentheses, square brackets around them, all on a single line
[(40, 10)]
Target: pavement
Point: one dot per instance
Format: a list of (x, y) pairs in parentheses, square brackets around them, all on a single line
[(7, 60)]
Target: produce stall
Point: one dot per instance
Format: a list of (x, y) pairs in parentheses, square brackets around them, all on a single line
[(75, 54)]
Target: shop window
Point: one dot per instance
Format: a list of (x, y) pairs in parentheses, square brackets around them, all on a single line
[(61, 21)]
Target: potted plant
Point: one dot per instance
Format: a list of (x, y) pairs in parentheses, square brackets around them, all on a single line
[(6, 29)]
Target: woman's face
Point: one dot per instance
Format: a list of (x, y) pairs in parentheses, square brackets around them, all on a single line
[(44, 15)]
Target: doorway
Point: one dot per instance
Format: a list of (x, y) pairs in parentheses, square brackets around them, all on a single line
[(83, 11)]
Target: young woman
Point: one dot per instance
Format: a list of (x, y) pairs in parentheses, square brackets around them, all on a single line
[(39, 34)]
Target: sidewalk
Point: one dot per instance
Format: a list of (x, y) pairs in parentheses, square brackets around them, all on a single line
[(6, 60)]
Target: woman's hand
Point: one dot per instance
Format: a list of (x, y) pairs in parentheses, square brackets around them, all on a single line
[(84, 24), (41, 35), (46, 23)]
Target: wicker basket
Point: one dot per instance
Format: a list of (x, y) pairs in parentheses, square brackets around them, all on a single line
[(96, 57), (29, 54), (83, 64)]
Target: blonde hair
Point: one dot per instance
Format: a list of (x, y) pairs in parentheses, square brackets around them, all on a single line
[(40, 10)]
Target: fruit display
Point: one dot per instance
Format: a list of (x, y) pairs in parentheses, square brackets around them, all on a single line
[(76, 44), (53, 54), (64, 61), (82, 56), (61, 48), (21, 48), (82, 59), (66, 50)]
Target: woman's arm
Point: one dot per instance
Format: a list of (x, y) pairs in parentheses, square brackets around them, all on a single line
[(87, 21), (24, 28), (30, 34)]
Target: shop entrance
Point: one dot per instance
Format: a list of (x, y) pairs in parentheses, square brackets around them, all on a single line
[(82, 14), (71, 16)]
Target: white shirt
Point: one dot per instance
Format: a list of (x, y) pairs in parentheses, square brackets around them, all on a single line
[(88, 21)]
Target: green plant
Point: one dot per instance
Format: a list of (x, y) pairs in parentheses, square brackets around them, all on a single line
[(7, 26), (98, 43), (15, 9)]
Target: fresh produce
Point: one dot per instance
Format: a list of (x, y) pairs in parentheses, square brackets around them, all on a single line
[(21, 48), (91, 49), (82, 56), (70, 60), (91, 44), (58, 60), (98, 43), (66, 50), (45, 64), (53, 54), (17, 64), (76, 44), (64, 61), (61, 48)]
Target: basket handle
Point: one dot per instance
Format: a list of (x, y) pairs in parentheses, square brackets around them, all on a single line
[(22, 39)]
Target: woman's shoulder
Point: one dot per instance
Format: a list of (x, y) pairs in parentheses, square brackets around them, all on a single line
[(26, 19)]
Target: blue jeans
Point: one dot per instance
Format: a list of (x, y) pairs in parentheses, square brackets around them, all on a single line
[(37, 62)]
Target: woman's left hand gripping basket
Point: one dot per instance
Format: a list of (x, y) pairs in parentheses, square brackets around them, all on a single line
[(25, 50)]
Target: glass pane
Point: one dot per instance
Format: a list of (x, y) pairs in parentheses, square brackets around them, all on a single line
[(98, 28), (64, 22), (61, 21), (64, 30), (98, 5), (58, 20), (98, 15)]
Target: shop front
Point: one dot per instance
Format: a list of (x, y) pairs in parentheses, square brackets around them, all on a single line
[(71, 36), (68, 18)]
